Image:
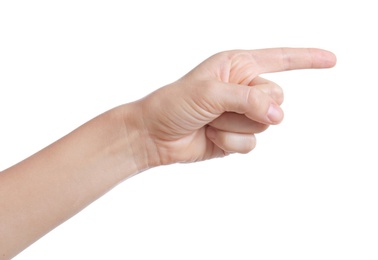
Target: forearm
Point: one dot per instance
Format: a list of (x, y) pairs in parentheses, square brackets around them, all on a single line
[(212, 111), (49, 187)]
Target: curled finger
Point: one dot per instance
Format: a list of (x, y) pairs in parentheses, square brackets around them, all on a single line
[(268, 87), (237, 123), (231, 142)]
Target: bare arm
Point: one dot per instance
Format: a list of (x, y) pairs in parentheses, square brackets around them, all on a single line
[(46, 189), (212, 111)]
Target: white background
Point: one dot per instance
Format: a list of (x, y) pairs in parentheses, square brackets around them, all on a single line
[(308, 190)]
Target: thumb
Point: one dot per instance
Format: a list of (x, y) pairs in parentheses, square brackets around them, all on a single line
[(241, 99)]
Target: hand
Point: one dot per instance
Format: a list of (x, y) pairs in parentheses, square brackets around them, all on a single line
[(217, 108), (212, 111)]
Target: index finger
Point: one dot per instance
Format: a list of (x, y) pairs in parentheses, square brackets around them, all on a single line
[(282, 59)]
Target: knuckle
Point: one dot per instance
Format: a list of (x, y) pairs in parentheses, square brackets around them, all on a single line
[(253, 98), (230, 54), (277, 93)]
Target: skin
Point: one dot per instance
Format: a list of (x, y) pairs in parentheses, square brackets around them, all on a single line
[(214, 110)]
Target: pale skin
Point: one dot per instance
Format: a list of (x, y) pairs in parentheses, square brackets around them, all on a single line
[(214, 110)]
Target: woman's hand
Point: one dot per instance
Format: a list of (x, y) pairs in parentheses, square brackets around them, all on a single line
[(217, 108), (214, 110)]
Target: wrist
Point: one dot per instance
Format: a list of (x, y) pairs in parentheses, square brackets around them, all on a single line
[(138, 144)]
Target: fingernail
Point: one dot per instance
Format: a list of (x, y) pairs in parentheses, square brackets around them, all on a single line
[(275, 113)]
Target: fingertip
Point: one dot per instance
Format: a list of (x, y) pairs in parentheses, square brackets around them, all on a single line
[(333, 60), (324, 59), (275, 114), (330, 59)]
